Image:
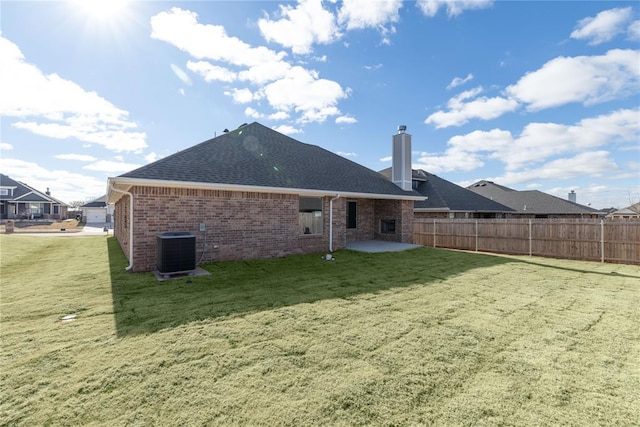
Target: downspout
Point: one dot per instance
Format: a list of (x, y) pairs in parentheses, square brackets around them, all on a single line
[(130, 266), (331, 222)]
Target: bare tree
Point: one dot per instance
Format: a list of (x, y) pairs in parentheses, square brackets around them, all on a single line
[(77, 203)]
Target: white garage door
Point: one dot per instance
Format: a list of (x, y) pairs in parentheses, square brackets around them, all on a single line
[(95, 216)]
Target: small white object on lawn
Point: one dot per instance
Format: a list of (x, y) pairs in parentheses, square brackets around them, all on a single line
[(69, 318)]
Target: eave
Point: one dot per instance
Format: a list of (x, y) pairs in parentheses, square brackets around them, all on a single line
[(124, 183)]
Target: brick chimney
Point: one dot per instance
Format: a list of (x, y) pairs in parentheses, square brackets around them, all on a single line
[(401, 162)]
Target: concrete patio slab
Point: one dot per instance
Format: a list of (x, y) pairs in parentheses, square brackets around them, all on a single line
[(372, 246)]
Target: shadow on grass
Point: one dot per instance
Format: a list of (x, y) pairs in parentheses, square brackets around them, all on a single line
[(578, 270), (144, 305)]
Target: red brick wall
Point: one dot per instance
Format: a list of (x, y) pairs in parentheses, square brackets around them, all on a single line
[(365, 223), (245, 225), (399, 210), (121, 223), (241, 225)]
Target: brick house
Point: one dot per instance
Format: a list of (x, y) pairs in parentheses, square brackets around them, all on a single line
[(255, 193)]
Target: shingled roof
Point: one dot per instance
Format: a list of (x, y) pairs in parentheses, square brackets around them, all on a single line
[(100, 202), (22, 192), (447, 196), (257, 156), (529, 201)]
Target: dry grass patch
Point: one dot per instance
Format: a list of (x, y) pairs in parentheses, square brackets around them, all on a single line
[(69, 225), (422, 337)]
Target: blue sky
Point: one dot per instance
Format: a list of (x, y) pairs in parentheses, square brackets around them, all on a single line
[(531, 95)]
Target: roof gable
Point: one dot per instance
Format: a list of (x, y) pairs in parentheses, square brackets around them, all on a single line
[(100, 202), (25, 193), (445, 195), (255, 155), (18, 188), (529, 201)]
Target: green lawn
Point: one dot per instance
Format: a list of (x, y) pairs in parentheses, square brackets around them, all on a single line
[(421, 337)]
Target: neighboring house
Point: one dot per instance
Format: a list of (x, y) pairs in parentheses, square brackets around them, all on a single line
[(97, 211), (448, 200), (256, 193), (533, 203), (20, 201), (630, 212)]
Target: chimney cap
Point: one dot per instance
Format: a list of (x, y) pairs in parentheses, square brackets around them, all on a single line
[(402, 128)]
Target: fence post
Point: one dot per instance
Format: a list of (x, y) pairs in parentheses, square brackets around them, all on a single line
[(434, 233), (530, 237), (602, 240), (476, 235)]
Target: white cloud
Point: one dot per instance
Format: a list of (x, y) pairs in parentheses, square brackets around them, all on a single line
[(603, 27), (210, 72), (251, 112), (152, 157), (454, 7), (54, 107), (345, 154), (240, 96), (591, 163), (302, 91), (457, 81), (111, 166), (633, 32), (586, 79), (263, 73), (78, 157), (301, 26), (5, 146), (450, 161), (358, 14), (181, 74), (460, 112), (288, 89), (538, 146), (346, 120), (388, 159), (287, 129), (372, 67), (64, 185), (280, 115), (181, 28)]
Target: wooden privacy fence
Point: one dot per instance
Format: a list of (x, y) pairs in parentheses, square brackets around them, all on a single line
[(584, 239)]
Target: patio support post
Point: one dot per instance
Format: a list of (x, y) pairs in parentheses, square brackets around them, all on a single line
[(331, 221)]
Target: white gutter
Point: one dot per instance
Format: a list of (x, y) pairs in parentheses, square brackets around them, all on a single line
[(111, 187), (255, 188), (331, 222)]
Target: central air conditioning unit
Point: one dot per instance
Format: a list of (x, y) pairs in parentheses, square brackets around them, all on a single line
[(175, 253)]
